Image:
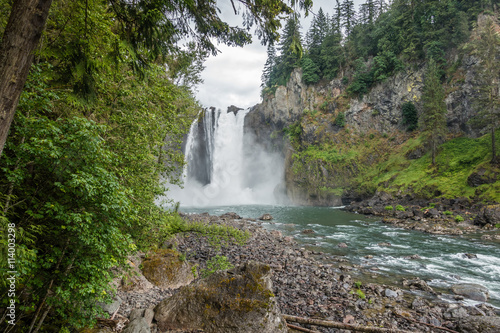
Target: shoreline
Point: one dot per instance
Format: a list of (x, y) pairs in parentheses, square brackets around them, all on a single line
[(305, 285)]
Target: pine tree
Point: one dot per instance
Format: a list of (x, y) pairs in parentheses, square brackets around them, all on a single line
[(315, 37), (269, 66), (486, 48), (349, 15), (291, 50), (434, 113)]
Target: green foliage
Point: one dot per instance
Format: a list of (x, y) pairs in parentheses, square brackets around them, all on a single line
[(340, 119), (293, 131), (215, 264), (400, 208), (310, 71), (360, 294), (410, 117), (459, 218), (358, 284), (447, 212), (388, 208)]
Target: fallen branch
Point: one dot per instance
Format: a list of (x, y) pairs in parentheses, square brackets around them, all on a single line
[(420, 323), (298, 328), (339, 325)]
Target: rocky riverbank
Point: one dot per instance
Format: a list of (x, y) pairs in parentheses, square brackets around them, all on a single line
[(438, 216), (312, 284)]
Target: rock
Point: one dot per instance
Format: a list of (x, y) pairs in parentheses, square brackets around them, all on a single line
[(417, 284), (455, 311), (266, 217), (149, 315), (230, 215), (166, 270), (113, 306), (481, 177), (136, 313), (343, 245), (470, 255), (238, 300), (479, 324), (472, 291), (488, 215), (391, 293), (369, 256), (233, 109), (413, 257), (134, 280), (384, 244), (138, 325), (308, 231)]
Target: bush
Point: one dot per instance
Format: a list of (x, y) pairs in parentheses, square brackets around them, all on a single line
[(410, 117), (340, 119), (447, 212), (389, 208), (459, 218), (400, 208), (215, 264)]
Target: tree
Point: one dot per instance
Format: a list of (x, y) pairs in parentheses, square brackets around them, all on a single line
[(349, 16), (269, 66), (291, 50), (150, 29), (22, 33), (316, 35), (486, 46), (434, 109)]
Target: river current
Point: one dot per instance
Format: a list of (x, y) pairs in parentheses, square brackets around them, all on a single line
[(442, 260)]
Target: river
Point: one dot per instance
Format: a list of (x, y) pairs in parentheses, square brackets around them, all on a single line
[(442, 261)]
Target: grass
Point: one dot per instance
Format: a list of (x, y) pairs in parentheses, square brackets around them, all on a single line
[(370, 161)]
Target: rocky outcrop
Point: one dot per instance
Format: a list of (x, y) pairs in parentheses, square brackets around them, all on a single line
[(316, 107), (165, 269), (479, 324), (238, 300), (488, 215)]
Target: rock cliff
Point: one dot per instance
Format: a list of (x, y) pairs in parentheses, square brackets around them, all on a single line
[(313, 111)]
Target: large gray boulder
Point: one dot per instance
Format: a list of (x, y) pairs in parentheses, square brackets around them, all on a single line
[(237, 301), (472, 291), (479, 324)]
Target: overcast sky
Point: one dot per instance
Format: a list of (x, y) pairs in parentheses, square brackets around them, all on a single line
[(233, 76)]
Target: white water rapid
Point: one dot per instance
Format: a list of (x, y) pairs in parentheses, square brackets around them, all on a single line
[(225, 167)]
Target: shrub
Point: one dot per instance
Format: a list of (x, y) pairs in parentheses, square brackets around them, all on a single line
[(215, 264), (447, 212), (459, 218), (400, 208), (340, 119), (410, 117), (389, 208)]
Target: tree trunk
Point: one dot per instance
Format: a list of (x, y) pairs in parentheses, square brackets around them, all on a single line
[(21, 36), (493, 146)]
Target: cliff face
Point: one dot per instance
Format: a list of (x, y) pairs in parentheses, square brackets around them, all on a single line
[(311, 181)]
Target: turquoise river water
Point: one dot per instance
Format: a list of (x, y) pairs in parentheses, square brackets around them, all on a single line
[(442, 262)]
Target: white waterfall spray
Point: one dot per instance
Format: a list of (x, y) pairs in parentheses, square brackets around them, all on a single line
[(217, 173)]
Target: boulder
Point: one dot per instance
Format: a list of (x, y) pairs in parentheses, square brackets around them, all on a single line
[(488, 215), (266, 217), (133, 279), (231, 215), (165, 269), (238, 300), (419, 284), (479, 324), (481, 177), (112, 307), (138, 325), (472, 291)]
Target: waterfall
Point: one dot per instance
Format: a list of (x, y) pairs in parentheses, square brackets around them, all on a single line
[(222, 164)]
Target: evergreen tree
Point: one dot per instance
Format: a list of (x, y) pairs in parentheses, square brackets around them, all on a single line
[(291, 50), (349, 16), (332, 53), (486, 47), (434, 109), (316, 35), (269, 66)]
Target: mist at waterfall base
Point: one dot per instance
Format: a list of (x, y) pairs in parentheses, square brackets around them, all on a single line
[(226, 166)]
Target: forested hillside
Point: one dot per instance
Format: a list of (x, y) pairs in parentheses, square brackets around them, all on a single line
[(93, 139), (393, 97)]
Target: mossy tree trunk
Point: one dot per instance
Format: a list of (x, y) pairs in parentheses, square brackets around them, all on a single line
[(21, 36)]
